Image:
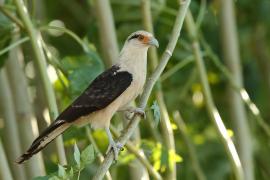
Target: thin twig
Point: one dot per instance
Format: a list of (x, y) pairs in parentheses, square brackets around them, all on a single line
[(139, 155), (40, 61), (211, 108), (68, 32), (167, 132), (243, 93), (191, 149), (97, 151), (13, 45), (11, 17), (127, 132)]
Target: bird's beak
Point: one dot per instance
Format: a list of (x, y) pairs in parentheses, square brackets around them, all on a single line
[(153, 42)]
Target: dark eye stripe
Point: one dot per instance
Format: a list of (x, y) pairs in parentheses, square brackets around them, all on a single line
[(134, 37)]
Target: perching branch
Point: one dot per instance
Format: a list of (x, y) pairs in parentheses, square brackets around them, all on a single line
[(97, 151), (40, 61), (167, 132), (139, 155), (211, 108), (127, 132)]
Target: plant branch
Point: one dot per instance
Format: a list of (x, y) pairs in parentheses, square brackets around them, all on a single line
[(13, 45), (97, 151), (40, 61), (11, 17), (167, 132), (211, 108), (140, 156), (148, 88), (243, 93), (191, 149)]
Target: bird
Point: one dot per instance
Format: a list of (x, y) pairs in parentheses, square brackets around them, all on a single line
[(110, 92)]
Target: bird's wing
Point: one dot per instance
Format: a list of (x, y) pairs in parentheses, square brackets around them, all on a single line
[(99, 94)]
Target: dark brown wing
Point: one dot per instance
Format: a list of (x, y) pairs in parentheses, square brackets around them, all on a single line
[(99, 94)]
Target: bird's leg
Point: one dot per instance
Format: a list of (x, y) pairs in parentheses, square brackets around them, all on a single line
[(112, 145), (133, 110)]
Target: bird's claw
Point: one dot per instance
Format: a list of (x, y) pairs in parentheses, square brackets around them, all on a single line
[(134, 111), (115, 147), (140, 112)]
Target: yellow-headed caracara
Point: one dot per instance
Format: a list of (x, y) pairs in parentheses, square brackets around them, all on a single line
[(111, 91)]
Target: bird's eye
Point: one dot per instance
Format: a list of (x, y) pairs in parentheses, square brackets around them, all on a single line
[(140, 37)]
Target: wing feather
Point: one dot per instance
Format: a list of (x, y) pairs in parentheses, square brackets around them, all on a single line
[(99, 94)]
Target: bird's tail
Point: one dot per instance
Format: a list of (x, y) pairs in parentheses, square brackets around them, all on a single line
[(49, 134)]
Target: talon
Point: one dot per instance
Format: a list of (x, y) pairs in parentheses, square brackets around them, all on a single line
[(140, 112), (115, 147)]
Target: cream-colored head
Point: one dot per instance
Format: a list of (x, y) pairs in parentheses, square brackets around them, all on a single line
[(141, 39)]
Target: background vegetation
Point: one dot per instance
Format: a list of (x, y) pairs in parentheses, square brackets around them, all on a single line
[(219, 74)]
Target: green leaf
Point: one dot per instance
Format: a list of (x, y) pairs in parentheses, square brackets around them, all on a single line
[(82, 70), (77, 154), (156, 112), (71, 173), (61, 171), (88, 155)]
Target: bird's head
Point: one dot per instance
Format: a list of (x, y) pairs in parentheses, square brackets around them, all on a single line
[(142, 39)]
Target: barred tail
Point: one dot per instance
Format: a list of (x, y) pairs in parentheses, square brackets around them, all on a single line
[(50, 133)]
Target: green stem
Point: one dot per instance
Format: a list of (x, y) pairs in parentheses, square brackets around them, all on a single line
[(211, 108), (139, 155), (68, 32), (13, 45), (8, 14), (40, 61), (190, 147), (243, 93), (177, 67), (128, 131)]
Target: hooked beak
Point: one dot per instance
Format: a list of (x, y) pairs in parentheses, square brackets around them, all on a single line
[(153, 42)]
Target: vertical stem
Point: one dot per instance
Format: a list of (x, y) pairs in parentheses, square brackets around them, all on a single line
[(127, 132), (167, 132), (41, 64), (211, 108), (4, 167), (25, 117), (107, 31), (98, 153), (11, 133), (237, 109), (191, 149)]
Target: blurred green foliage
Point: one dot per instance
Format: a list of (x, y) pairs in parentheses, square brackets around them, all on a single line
[(182, 89)]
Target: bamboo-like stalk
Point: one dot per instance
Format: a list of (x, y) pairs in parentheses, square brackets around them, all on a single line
[(242, 92), (237, 110), (25, 117), (190, 147), (110, 54), (167, 132), (5, 172), (211, 108), (107, 31), (11, 136), (97, 151), (139, 155), (40, 61), (148, 88)]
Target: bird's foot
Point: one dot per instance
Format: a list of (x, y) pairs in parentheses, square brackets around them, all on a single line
[(134, 111), (115, 147)]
